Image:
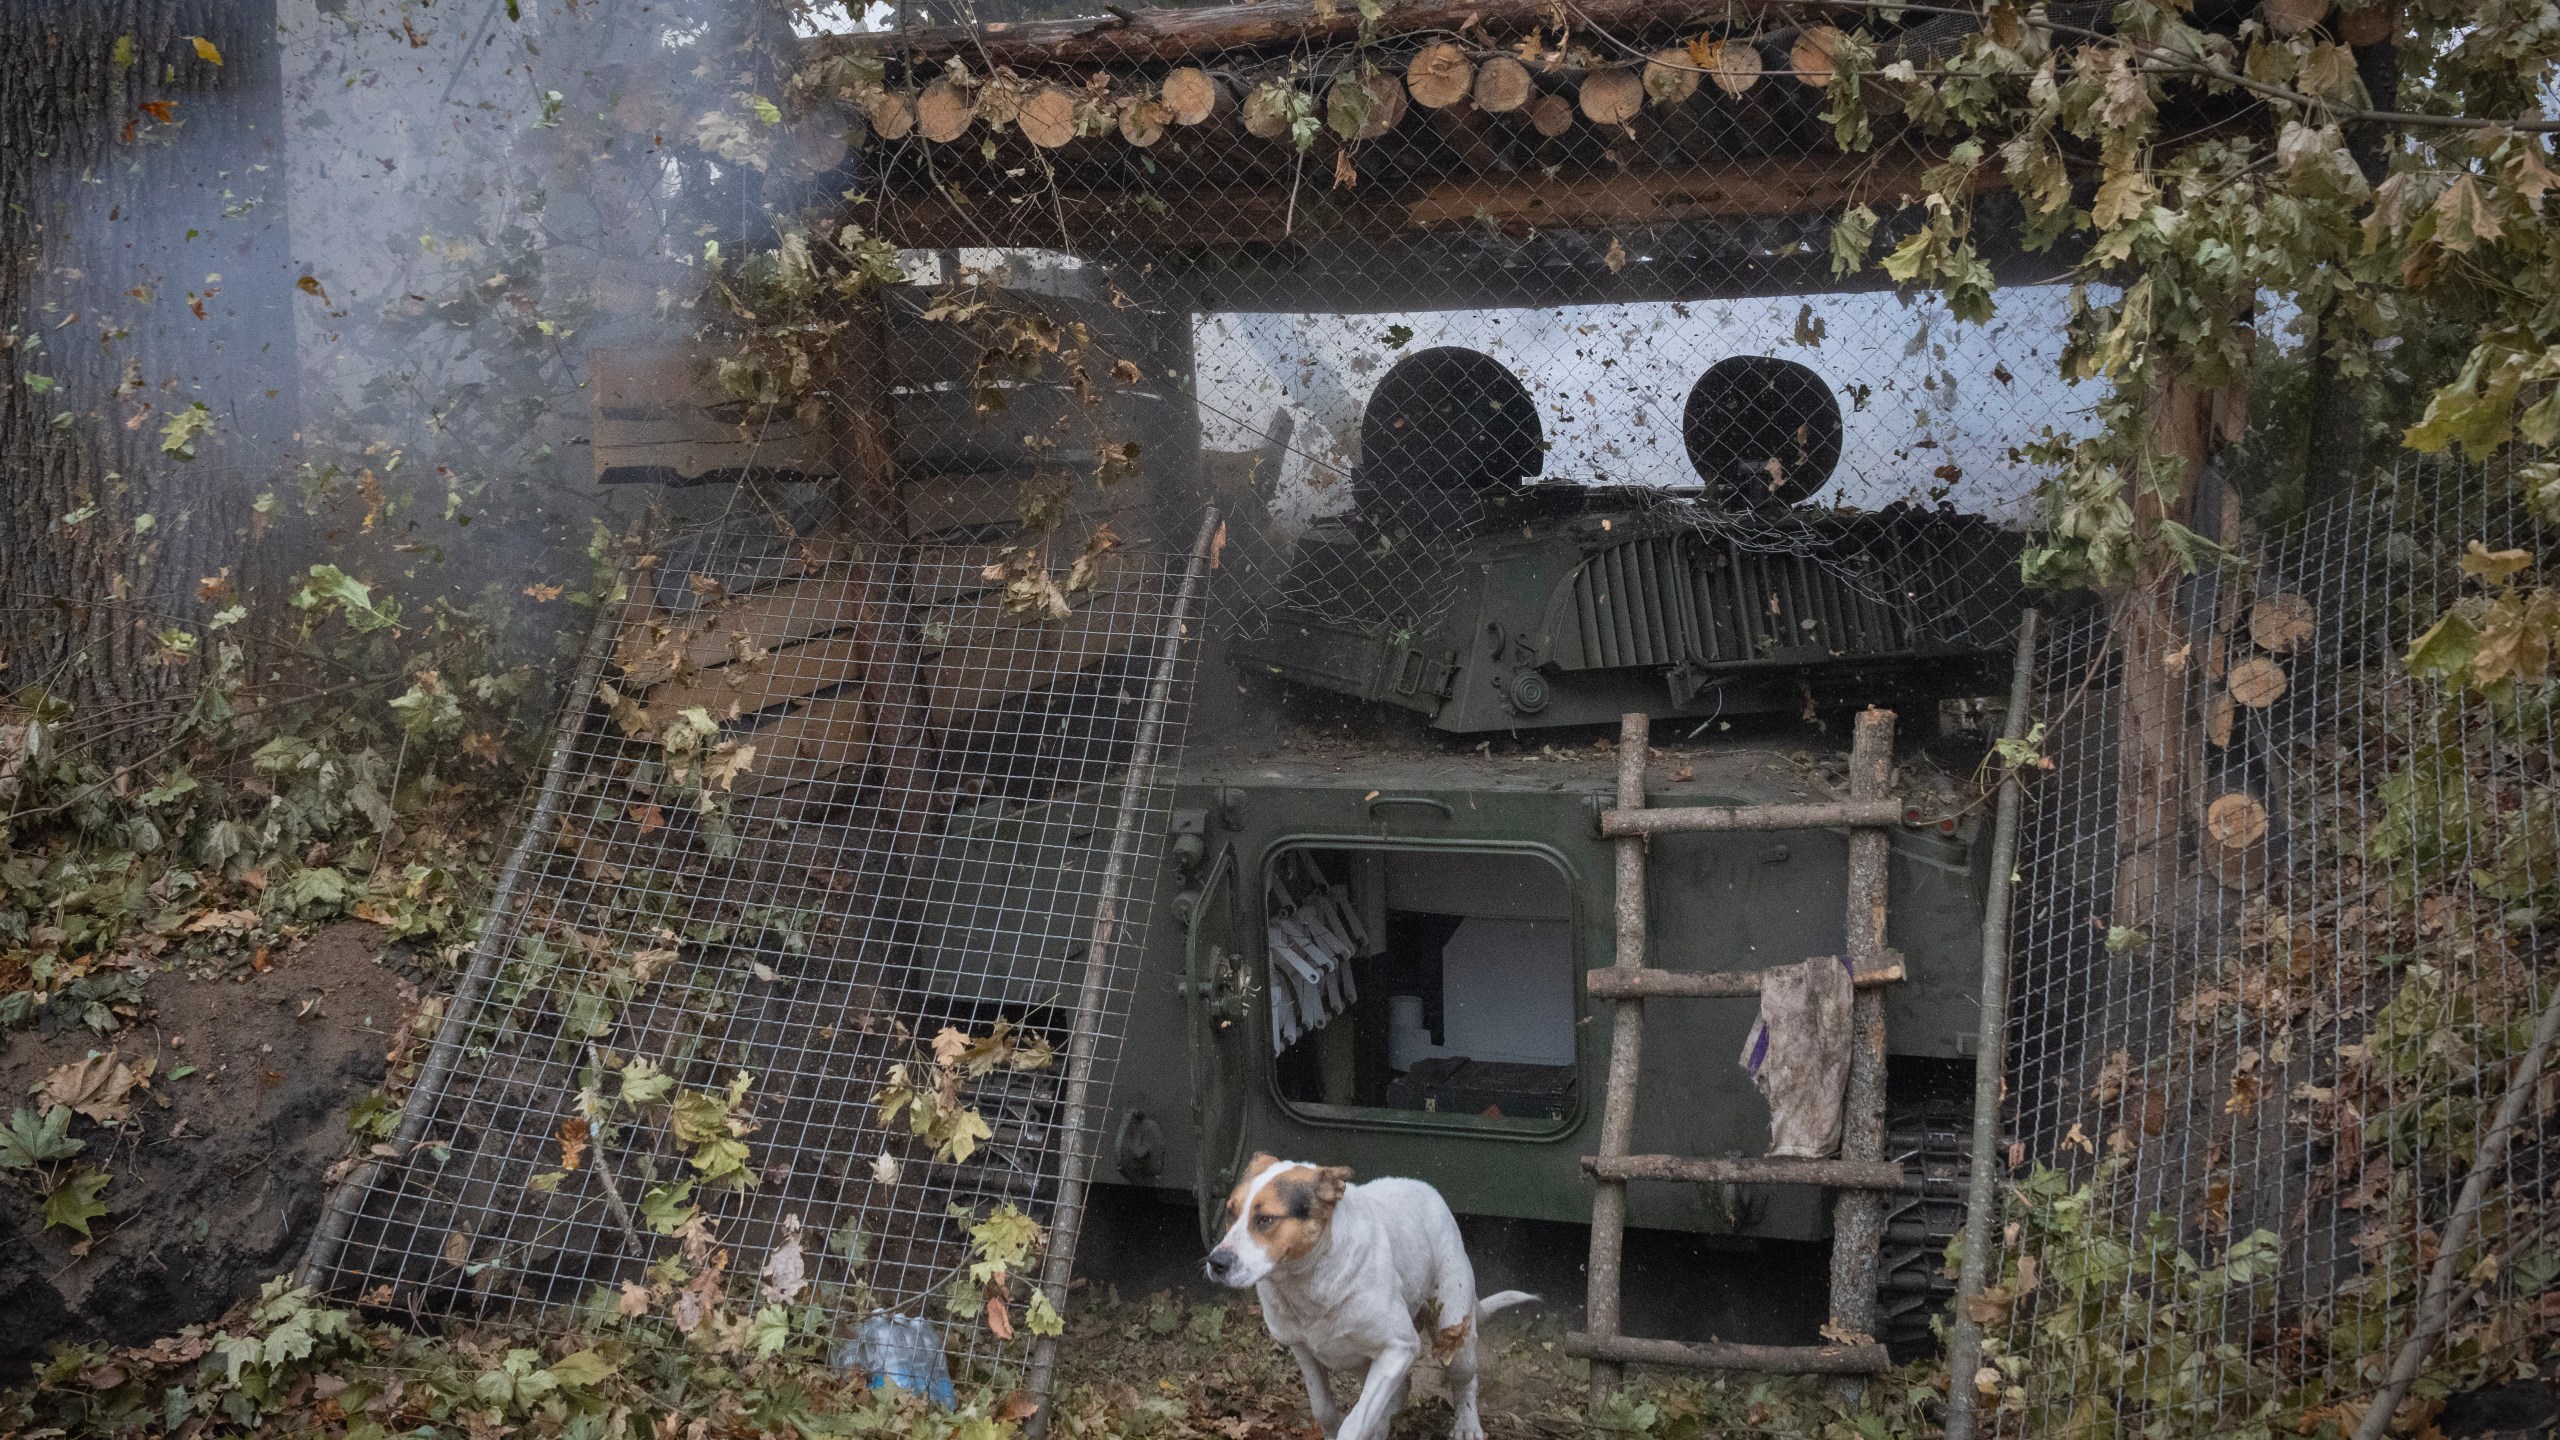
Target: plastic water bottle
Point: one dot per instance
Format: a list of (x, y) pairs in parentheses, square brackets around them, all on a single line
[(900, 1350)]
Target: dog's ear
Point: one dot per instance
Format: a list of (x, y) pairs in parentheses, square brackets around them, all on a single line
[(1331, 1181), (1262, 1160)]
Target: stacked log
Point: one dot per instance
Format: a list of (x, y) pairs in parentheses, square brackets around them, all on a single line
[(1360, 105), (1440, 76), (1503, 86), (1192, 96)]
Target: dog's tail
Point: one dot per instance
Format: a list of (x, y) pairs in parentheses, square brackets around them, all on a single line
[(1503, 1300)]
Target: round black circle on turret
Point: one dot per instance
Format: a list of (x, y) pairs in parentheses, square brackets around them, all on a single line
[(1444, 425), (1762, 431)]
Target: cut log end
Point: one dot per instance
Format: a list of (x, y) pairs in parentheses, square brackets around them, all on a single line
[(1193, 96), (1440, 76), (1266, 113), (1142, 121), (2218, 720), (1812, 55), (1671, 77), (1612, 97), (2236, 821), (943, 112), (2258, 682), (1502, 86), (1552, 115), (1734, 65), (1048, 118), (2281, 623), (893, 116), (1364, 107)]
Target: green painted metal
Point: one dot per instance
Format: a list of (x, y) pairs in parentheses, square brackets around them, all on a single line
[(1576, 619), (1216, 989), (1719, 903)]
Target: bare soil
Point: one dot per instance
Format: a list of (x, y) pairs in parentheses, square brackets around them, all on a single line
[(218, 1173)]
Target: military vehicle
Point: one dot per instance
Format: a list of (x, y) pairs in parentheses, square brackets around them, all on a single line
[(1384, 878)]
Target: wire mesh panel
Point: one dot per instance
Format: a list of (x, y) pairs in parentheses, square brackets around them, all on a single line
[(2279, 949), (851, 844)]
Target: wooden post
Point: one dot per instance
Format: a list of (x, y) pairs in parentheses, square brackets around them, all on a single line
[(871, 518), (1626, 1058), (1857, 1216), (1990, 1058)]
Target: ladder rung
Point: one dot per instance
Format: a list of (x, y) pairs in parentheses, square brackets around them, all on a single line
[(1753, 1170), (1619, 983), (1670, 819), (1869, 1359)]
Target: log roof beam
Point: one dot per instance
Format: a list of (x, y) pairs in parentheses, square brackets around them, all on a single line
[(1168, 34)]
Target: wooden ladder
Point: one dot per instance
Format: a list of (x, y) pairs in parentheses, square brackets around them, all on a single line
[(1862, 1174)]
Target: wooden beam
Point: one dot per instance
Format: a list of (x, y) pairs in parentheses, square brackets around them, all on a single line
[(1791, 186), (1178, 34), (1679, 819), (1245, 214), (1614, 983), (1868, 1359), (1752, 1170)]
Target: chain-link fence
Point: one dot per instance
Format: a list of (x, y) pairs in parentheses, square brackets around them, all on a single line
[(1409, 298), (2278, 953)]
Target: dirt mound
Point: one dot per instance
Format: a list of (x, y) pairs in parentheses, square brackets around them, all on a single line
[(217, 1173)]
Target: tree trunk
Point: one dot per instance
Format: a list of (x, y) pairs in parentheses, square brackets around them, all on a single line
[(2334, 450), (2158, 745), (146, 272)]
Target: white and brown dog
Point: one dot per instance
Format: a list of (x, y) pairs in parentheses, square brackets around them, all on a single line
[(1357, 1277)]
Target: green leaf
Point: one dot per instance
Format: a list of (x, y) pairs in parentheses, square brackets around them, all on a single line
[(583, 1370), (1852, 236), (2446, 651), (28, 1142), (74, 1203), (668, 1208), (178, 438), (317, 888), (2023, 752), (177, 783), (644, 1083), (122, 54), (723, 1158), (766, 110), (328, 585)]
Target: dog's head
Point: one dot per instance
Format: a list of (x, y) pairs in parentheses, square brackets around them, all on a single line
[(1278, 1212)]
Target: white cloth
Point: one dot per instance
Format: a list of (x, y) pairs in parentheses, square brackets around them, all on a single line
[(1798, 1053)]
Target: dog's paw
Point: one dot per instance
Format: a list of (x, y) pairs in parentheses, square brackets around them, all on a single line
[(1467, 1428)]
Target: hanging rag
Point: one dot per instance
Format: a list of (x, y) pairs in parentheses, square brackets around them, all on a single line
[(1798, 1053)]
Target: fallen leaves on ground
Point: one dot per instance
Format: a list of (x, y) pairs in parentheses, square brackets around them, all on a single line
[(99, 1085)]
